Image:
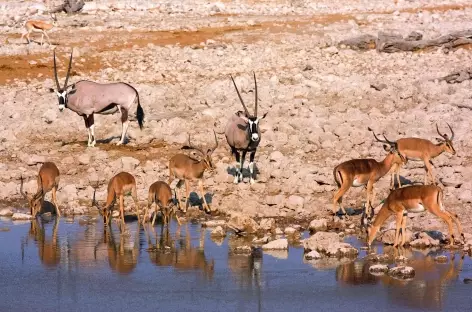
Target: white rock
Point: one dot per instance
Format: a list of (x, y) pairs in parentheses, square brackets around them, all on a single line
[(318, 225), (378, 269), (6, 212), (218, 232), (278, 244), (313, 255), (21, 216), (129, 163), (402, 272), (267, 224)]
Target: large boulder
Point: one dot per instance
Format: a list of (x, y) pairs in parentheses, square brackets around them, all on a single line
[(242, 223), (318, 225), (330, 245), (402, 272), (278, 244)]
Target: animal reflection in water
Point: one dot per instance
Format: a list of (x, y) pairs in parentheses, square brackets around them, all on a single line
[(245, 268), (425, 290), (122, 251), (178, 252), (49, 251)]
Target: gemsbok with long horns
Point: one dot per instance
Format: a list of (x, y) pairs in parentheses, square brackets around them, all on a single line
[(243, 135), (119, 186), (87, 98), (421, 149), (48, 180), (414, 198), (363, 172), (188, 167)]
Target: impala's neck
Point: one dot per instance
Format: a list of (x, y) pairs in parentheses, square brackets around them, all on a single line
[(383, 214), (200, 168), (385, 165), (437, 149)]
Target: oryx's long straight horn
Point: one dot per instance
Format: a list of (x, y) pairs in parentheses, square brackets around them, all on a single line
[(240, 98), (68, 70), (255, 91), (55, 72)]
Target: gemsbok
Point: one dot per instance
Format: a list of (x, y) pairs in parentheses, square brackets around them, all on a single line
[(188, 168), (414, 198), (48, 180), (39, 26), (421, 149), (161, 195), (119, 186), (243, 135), (87, 98), (363, 172)]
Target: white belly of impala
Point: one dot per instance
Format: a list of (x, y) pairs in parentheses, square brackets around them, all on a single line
[(419, 208), (357, 183)]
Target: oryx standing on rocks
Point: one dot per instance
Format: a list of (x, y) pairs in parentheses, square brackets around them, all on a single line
[(243, 134), (87, 98)]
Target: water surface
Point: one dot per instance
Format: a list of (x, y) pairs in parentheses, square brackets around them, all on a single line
[(81, 266)]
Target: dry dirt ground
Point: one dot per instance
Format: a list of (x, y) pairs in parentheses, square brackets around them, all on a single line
[(179, 57)]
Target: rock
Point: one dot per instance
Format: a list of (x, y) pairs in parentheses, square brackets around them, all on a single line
[(129, 163), (402, 272), (441, 259), (242, 249), (214, 223), (242, 223), (218, 232), (341, 250), (378, 87), (21, 216), (318, 225), (276, 156), (6, 212), (388, 237), (267, 224), (378, 269), (290, 231), (35, 159), (84, 159), (278, 244), (295, 202), (424, 240), (320, 241), (313, 255), (259, 241), (49, 116)]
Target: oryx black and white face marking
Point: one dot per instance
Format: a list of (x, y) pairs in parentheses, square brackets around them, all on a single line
[(62, 97), (253, 124)]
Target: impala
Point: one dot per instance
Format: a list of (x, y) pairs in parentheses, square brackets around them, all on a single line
[(421, 149), (48, 180), (87, 98), (243, 134), (39, 26), (414, 198), (161, 194), (362, 172), (187, 168), (120, 185)]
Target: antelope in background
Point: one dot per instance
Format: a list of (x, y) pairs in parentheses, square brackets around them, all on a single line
[(414, 198), (243, 134), (363, 172), (421, 149), (161, 195), (48, 180), (188, 168), (39, 26), (87, 98), (120, 185)]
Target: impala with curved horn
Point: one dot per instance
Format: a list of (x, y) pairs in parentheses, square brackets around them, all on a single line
[(87, 98), (414, 198), (421, 149), (243, 135), (187, 168), (48, 180), (363, 172)]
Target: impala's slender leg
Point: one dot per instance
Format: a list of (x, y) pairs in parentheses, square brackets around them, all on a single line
[(124, 125), (205, 204), (179, 198), (155, 215), (370, 191), (134, 194), (187, 194), (448, 219), (455, 218), (338, 198), (49, 42), (403, 228), (54, 200), (251, 166), (176, 217), (23, 35), (122, 209), (237, 166), (429, 171), (398, 226)]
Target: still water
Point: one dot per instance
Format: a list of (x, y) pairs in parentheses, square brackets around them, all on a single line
[(79, 266)]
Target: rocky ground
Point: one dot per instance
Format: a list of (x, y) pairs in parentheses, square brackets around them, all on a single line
[(318, 95)]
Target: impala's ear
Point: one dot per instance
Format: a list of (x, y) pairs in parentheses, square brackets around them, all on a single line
[(387, 148)]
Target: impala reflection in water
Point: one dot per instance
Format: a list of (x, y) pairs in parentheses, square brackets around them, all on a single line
[(55, 263)]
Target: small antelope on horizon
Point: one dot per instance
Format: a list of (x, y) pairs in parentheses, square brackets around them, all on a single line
[(119, 186), (48, 180), (40, 26), (188, 168)]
